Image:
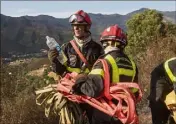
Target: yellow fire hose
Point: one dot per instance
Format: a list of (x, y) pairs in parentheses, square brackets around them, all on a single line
[(170, 101), (54, 102)]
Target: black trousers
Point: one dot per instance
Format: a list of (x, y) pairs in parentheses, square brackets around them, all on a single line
[(99, 117), (88, 110), (160, 113)]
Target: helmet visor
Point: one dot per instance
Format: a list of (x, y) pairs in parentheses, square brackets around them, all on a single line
[(76, 18)]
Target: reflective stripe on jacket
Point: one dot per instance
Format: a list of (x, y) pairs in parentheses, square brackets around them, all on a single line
[(170, 68), (93, 85), (74, 63), (121, 68)]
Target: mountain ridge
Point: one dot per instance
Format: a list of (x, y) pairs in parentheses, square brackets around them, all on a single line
[(26, 34)]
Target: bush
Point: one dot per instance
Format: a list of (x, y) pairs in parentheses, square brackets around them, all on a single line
[(143, 28), (150, 42)]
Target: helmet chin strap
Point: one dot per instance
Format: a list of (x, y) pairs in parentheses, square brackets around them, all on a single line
[(110, 48)]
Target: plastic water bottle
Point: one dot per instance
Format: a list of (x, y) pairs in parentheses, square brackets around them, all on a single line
[(52, 44)]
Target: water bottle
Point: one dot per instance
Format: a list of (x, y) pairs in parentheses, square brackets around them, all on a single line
[(52, 44)]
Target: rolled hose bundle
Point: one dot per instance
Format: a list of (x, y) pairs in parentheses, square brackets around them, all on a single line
[(55, 103), (170, 102), (120, 92)]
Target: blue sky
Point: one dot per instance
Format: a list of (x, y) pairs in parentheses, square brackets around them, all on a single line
[(63, 9)]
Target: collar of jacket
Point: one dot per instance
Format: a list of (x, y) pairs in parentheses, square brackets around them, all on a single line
[(110, 52), (82, 42), (110, 48)]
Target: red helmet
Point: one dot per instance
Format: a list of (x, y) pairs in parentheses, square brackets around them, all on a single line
[(114, 33), (80, 17)]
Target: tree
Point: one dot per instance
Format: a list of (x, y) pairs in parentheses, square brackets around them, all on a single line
[(142, 29)]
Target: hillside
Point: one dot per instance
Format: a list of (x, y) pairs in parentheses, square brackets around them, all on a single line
[(20, 79), (26, 34)]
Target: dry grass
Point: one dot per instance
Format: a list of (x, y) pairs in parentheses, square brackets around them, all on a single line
[(18, 99), (156, 53), (37, 63)]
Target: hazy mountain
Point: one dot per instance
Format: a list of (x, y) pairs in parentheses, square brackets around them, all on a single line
[(26, 34)]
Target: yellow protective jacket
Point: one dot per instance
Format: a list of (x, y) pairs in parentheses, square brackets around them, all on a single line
[(170, 68), (121, 69), (90, 50), (163, 79)]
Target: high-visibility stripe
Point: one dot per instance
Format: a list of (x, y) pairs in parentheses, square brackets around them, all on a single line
[(97, 72), (134, 90), (86, 70), (78, 70), (115, 70), (73, 69), (134, 69), (128, 66), (127, 72), (169, 72)]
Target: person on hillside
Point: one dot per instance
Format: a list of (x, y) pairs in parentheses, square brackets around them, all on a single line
[(81, 23), (91, 50), (163, 82), (121, 69)]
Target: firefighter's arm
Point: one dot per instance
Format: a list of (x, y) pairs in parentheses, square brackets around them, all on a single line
[(90, 85), (57, 67)]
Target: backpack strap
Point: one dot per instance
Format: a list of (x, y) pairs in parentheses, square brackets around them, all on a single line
[(81, 56)]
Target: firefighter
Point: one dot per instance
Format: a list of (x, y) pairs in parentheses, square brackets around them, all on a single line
[(163, 82), (91, 50), (121, 69), (81, 23)]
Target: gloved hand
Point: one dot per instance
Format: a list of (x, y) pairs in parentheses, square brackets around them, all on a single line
[(80, 76), (52, 54), (79, 80), (67, 83)]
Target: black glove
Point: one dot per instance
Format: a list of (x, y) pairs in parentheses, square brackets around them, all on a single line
[(79, 80), (57, 67), (52, 55)]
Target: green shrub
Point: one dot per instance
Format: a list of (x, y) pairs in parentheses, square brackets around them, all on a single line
[(143, 28)]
